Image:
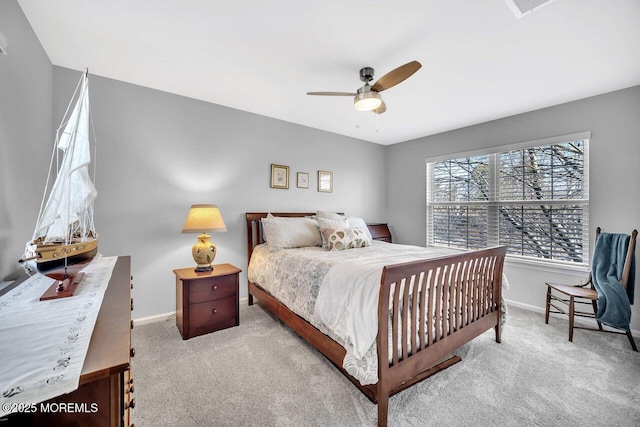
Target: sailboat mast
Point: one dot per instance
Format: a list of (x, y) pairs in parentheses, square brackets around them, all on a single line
[(70, 152)]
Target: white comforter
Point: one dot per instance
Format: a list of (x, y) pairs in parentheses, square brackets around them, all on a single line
[(336, 291), (347, 300)]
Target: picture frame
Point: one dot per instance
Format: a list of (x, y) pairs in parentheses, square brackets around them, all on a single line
[(325, 181), (279, 176), (302, 180)]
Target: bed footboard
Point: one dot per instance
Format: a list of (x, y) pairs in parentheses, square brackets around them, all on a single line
[(434, 306)]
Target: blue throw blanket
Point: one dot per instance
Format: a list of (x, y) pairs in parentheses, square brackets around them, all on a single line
[(614, 302)]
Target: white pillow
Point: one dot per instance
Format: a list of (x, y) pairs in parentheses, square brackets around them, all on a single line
[(286, 233), (342, 222), (329, 215), (355, 222)]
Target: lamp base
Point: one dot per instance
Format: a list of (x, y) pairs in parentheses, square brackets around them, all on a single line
[(204, 253)]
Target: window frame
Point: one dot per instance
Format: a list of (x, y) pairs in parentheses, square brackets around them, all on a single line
[(494, 202)]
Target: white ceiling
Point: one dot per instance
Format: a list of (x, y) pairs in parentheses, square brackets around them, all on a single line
[(479, 62)]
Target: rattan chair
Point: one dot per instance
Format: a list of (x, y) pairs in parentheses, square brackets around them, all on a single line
[(581, 294)]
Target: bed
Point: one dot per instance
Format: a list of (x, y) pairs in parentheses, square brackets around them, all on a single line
[(424, 310)]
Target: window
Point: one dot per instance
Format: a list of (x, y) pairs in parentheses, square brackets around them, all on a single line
[(533, 197)]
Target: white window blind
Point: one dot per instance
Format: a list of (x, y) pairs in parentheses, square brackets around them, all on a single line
[(533, 197)]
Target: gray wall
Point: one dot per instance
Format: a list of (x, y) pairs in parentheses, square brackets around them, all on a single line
[(159, 153), (614, 177), (26, 135)]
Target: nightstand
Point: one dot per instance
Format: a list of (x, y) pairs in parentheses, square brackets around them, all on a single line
[(207, 301), (380, 231)]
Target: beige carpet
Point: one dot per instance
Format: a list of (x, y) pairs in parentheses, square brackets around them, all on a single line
[(262, 374)]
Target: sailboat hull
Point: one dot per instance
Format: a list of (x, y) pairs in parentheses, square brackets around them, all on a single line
[(51, 256)]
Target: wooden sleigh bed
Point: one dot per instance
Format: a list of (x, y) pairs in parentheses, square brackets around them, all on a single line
[(459, 295)]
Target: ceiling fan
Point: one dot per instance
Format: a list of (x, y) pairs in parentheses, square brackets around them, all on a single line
[(367, 98)]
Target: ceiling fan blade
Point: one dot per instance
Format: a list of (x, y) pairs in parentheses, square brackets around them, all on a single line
[(396, 76), (381, 109), (332, 93)]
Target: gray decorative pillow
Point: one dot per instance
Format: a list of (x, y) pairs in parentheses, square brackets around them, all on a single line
[(339, 239), (287, 233)]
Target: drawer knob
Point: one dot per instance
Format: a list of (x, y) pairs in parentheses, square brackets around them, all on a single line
[(214, 287), (132, 352), (132, 403), (130, 381), (131, 304), (214, 311), (132, 324), (132, 389)]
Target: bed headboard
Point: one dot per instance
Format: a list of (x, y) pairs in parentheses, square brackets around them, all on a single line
[(254, 226)]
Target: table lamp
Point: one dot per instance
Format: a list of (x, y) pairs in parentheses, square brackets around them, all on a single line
[(201, 219)]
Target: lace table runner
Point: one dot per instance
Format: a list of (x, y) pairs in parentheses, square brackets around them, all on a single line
[(43, 344)]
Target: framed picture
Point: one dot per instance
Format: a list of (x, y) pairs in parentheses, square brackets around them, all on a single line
[(303, 180), (279, 176), (325, 181)]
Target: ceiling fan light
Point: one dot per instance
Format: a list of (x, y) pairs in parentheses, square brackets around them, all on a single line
[(367, 101)]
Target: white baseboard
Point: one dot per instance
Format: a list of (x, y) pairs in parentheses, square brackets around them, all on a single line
[(580, 320), (152, 319), (523, 305), (162, 317)]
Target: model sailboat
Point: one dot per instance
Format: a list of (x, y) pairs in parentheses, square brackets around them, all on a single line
[(65, 233)]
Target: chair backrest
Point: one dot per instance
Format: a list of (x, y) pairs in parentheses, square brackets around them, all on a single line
[(629, 258), (627, 261)]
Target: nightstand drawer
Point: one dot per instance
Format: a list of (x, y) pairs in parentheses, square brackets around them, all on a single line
[(212, 289), (214, 315)]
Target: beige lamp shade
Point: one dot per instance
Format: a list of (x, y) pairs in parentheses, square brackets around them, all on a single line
[(202, 219)]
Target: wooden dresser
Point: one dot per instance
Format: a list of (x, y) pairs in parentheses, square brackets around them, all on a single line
[(380, 231), (106, 387)]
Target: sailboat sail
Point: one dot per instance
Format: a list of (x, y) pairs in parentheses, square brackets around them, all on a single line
[(73, 192), (66, 219)]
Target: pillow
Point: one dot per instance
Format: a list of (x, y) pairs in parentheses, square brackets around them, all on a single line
[(355, 222), (331, 223), (329, 215), (287, 233), (269, 216), (339, 239)]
